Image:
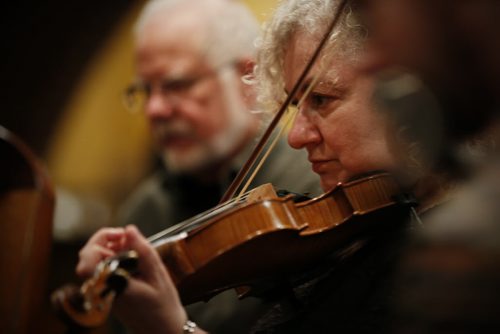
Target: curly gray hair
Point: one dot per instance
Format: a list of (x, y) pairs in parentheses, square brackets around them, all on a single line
[(311, 17)]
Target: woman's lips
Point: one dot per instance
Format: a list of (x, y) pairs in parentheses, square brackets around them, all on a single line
[(319, 166)]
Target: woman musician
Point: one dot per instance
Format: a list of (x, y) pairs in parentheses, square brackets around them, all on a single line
[(344, 136)]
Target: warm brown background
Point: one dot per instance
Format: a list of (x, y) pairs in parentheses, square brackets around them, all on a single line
[(64, 65)]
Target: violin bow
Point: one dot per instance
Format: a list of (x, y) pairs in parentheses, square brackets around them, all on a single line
[(281, 111)]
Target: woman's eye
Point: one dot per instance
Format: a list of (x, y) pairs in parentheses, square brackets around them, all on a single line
[(318, 101)]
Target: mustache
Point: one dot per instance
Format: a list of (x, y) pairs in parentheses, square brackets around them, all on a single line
[(173, 128)]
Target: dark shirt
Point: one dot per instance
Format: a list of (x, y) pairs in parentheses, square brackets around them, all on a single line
[(449, 277), (353, 294), (164, 200)]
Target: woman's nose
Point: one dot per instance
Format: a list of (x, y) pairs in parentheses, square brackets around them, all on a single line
[(303, 132)]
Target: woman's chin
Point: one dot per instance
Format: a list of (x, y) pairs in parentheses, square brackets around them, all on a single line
[(329, 184)]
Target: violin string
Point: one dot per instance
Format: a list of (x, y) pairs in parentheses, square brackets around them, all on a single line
[(193, 221), (184, 226), (197, 219)]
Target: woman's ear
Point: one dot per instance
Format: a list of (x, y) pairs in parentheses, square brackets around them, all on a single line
[(245, 67), (245, 70)]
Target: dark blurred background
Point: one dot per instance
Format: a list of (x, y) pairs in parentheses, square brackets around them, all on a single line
[(64, 65), (46, 47)]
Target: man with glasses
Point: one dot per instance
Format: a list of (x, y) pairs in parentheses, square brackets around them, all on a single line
[(192, 58), (348, 290)]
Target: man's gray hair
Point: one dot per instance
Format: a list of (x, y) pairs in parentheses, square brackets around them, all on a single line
[(229, 27), (307, 16)]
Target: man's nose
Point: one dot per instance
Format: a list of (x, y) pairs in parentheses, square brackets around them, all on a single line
[(303, 132), (158, 106)]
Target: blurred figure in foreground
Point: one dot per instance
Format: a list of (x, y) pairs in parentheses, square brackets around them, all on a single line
[(453, 270)]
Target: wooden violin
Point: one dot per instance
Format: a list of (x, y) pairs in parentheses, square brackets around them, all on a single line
[(244, 242)]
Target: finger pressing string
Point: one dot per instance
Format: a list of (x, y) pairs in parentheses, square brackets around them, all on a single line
[(107, 234), (90, 256)]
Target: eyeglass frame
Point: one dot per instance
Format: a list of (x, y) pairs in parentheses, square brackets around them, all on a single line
[(176, 86)]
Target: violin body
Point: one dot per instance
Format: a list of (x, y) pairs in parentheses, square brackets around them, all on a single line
[(275, 237), (265, 239), (259, 240)]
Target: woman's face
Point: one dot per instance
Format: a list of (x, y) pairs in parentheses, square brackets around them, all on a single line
[(337, 124)]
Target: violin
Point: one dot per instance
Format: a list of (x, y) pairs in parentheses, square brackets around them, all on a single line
[(248, 240), (244, 242)]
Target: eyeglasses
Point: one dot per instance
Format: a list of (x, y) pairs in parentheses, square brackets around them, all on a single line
[(138, 93)]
